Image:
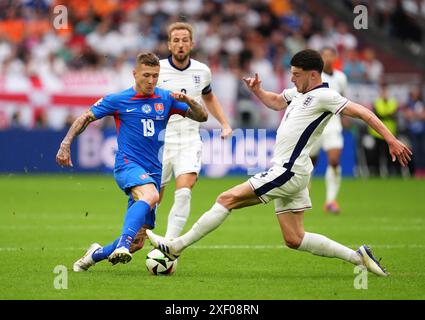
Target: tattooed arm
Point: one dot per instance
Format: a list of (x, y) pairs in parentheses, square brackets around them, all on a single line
[(196, 111), (63, 157)]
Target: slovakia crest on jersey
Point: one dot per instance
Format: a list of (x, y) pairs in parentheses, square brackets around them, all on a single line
[(159, 108), (146, 108), (197, 79)]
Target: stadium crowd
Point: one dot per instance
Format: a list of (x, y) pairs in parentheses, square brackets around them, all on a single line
[(235, 38)]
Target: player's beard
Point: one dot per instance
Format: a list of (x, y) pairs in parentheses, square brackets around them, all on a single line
[(181, 58)]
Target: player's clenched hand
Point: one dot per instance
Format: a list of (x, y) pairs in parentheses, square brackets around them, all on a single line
[(400, 152), (63, 157), (179, 96), (253, 84)]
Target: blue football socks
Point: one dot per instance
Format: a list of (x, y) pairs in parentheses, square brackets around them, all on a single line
[(134, 219), (104, 252)]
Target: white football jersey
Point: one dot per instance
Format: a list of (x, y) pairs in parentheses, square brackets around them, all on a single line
[(338, 82), (194, 81), (303, 123)]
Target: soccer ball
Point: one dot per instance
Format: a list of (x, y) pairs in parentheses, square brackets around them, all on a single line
[(159, 264)]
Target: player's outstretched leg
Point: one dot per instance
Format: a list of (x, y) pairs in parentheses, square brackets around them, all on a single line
[(209, 221), (370, 262), (237, 197), (86, 261), (291, 224)]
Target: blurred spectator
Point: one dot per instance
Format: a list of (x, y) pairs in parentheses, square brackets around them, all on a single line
[(295, 43), (104, 36), (353, 67), (415, 115), (40, 118), (69, 120), (374, 68), (15, 121), (378, 158), (403, 26), (344, 39)]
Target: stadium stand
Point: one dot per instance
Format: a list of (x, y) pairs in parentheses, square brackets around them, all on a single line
[(49, 75)]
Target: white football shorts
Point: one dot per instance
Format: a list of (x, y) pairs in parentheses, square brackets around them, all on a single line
[(288, 190), (181, 159)]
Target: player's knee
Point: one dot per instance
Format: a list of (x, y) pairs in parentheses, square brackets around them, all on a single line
[(151, 198), (293, 241), (334, 162), (227, 199)]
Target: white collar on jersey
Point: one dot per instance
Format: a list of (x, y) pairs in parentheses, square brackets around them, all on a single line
[(170, 60), (323, 85)]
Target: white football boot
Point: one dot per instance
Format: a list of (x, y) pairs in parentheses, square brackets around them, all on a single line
[(86, 261), (120, 255), (163, 245), (370, 262)]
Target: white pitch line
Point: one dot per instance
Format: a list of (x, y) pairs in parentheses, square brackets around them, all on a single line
[(71, 227), (223, 247)]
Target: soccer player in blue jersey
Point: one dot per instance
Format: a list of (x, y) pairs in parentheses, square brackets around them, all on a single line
[(141, 113)]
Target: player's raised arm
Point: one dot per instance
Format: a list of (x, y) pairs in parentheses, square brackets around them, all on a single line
[(272, 100), (196, 111), (63, 157), (397, 149)]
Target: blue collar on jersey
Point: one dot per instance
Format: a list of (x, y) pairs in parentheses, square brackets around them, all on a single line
[(170, 60), (323, 85)]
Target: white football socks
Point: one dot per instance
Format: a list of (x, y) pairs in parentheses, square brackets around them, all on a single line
[(333, 182), (322, 246), (208, 222), (178, 213)]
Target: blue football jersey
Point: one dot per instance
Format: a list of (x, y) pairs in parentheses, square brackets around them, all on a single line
[(140, 122)]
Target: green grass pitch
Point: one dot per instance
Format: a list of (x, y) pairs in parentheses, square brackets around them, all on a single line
[(47, 221)]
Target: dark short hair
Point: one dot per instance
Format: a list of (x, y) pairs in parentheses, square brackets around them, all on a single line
[(308, 60), (147, 58)]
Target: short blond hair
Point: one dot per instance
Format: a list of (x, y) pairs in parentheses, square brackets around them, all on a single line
[(180, 26)]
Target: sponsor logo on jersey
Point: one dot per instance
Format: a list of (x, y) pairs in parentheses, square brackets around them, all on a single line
[(143, 176), (146, 108), (159, 108), (196, 79)]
